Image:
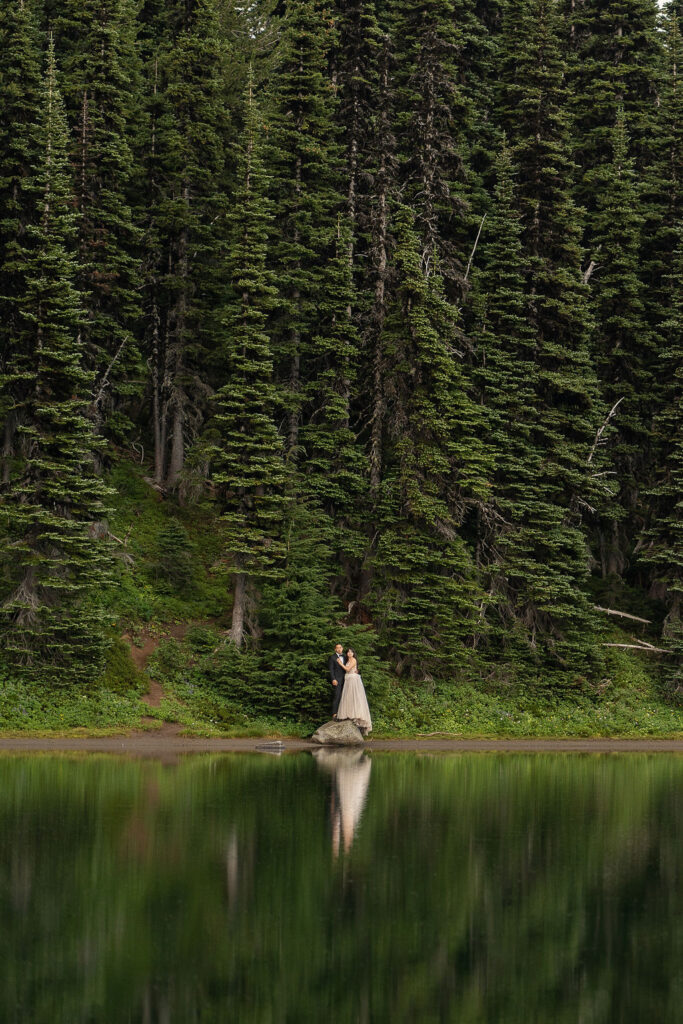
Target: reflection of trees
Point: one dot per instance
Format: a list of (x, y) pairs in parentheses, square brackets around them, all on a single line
[(350, 770), (515, 889)]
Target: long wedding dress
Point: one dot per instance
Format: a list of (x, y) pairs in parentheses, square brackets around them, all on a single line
[(354, 703)]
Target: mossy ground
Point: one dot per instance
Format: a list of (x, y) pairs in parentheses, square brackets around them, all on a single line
[(172, 585)]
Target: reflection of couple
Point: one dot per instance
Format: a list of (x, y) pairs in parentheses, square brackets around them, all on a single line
[(350, 770), (349, 693)]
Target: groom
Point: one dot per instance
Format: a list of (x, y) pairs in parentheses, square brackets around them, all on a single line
[(336, 672)]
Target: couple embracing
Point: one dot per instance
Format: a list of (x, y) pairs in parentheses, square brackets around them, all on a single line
[(349, 693)]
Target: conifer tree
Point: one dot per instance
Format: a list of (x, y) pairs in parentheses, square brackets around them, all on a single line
[(424, 585), (93, 39), (433, 118), (617, 66), (186, 229), (664, 550), (623, 346), (532, 550), (52, 560), (356, 74), (247, 452), (20, 98), (298, 612), (533, 103), (333, 475), (304, 159)]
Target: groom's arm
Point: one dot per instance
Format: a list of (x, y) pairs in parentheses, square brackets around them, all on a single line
[(330, 668)]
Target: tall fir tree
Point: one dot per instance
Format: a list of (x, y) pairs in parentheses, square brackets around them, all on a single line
[(189, 127), (95, 41), (623, 347), (333, 478), (424, 582), (304, 159), (664, 539), (54, 560), (618, 53), (247, 452), (527, 539), (20, 102), (433, 125), (533, 105)]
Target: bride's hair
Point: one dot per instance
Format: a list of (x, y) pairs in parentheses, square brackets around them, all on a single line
[(350, 650)]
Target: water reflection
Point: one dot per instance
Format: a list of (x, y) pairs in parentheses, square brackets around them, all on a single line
[(350, 770), (476, 889)]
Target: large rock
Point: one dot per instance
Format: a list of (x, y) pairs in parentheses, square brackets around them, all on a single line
[(339, 734)]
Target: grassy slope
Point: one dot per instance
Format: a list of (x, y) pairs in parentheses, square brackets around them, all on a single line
[(171, 571)]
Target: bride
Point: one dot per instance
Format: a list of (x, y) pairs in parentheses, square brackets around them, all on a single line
[(354, 703)]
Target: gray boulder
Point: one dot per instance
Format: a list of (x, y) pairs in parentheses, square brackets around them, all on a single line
[(339, 734)]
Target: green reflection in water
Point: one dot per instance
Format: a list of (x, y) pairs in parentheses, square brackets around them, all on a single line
[(477, 888)]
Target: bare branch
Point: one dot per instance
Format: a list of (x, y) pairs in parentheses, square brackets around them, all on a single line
[(648, 648), (603, 427), (588, 272), (474, 248), (623, 615), (105, 379)]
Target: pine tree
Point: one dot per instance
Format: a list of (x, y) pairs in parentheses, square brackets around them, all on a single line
[(623, 346), (53, 562), (20, 96), (247, 452), (424, 583), (93, 39), (664, 550), (356, 74), (333, 476), (298, 614), (304, 159), (533, 104), (433, 125), (617, 67), (531, 550), (186, 230)]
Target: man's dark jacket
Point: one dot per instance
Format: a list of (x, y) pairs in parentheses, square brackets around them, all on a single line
[(335, 669)]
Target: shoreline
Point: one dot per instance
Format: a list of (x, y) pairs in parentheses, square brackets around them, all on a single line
[(163, 747)]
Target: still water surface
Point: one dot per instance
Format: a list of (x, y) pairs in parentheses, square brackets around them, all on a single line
[(505, 889)]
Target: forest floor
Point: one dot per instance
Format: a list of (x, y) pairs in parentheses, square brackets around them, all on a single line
[(165, 683)]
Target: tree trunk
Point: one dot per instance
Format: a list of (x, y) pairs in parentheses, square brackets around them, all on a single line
[(177, 402), (239, 609), (378, 308)]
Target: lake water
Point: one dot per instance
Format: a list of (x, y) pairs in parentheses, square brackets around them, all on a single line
[(501, 889)]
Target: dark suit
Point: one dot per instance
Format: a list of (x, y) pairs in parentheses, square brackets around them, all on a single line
[(337, 673)]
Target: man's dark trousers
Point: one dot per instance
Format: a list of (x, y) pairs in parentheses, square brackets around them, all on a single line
[(337, 673)]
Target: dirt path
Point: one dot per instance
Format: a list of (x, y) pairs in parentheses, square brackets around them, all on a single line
[(155, 694)]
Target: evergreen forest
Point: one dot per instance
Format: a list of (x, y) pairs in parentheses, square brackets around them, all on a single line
[(350, 320)]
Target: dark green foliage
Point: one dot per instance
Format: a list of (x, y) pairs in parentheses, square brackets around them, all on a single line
[(53, 555), (424, 590), (99, 74), (300, 620), (378, 305), (185, 161), (433, 119), (247, 453), (624, 350), (565, 413), (20, 150), (175, 563), (304, 160)]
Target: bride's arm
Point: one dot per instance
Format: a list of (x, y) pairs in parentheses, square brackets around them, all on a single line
[(350, 665)]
